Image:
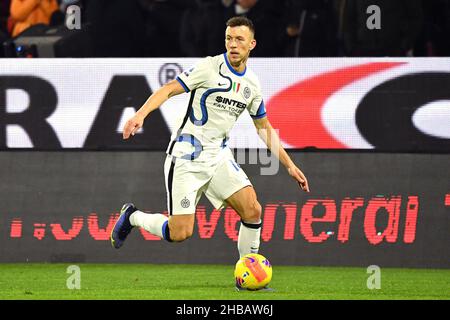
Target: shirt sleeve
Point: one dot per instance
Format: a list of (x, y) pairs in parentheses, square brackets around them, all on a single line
[(257, 108), (195, 76)]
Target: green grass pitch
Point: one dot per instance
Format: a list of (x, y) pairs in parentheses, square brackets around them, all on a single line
[(203, 282)]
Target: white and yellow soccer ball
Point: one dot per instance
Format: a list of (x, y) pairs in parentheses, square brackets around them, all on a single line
[(253, 272)]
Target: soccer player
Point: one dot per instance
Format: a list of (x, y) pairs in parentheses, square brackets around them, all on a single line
[(198, 161)]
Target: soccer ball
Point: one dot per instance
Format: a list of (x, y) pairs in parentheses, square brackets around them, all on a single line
[(252, 272)]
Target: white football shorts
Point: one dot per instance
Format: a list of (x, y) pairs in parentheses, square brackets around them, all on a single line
[(186, 180)]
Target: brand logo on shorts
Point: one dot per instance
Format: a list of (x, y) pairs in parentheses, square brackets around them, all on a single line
[(247, 92), (185, 203)]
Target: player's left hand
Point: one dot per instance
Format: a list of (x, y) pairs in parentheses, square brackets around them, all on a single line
[(298, 175)]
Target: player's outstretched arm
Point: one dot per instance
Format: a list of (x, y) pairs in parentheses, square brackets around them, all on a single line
[(272, 140), (160, 96)]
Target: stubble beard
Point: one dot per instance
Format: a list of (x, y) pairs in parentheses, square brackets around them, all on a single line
[(239, 62)]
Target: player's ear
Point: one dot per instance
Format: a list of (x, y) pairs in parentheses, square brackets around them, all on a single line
[(252, 44)]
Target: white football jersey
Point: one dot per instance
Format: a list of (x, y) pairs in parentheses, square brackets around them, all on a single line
[(218, 96)]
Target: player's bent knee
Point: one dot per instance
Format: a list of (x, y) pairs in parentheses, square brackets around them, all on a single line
[(181, 227), (180, 235)]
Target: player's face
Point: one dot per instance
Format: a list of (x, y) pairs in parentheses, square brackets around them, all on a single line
[(239, 41)]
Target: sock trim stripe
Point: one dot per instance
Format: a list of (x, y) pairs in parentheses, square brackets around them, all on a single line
[(166, 231), (163, 229), (252, 225)]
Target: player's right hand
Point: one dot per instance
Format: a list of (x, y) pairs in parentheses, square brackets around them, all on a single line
[(298, 175), (132, 126)]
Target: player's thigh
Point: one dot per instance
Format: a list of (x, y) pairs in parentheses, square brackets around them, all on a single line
[(231, 186), (246, 204)]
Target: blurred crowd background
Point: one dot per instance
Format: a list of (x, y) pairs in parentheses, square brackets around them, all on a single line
[(195, 28)]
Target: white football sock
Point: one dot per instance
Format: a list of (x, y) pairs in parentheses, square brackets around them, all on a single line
[(248, 239), (155, 223)]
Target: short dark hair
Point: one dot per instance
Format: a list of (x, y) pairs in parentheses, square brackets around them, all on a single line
[(241, 21)]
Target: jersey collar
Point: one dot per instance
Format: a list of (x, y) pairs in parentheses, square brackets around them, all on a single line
[(239, 74)]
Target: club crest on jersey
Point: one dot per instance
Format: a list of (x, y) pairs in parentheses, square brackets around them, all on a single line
[(247, 92)]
